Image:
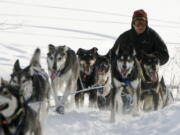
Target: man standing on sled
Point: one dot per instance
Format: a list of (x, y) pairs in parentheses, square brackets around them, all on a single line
[(143, 38)]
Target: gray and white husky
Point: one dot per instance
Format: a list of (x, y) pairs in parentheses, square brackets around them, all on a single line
[(63, 67), (34, 84), (16, 117)]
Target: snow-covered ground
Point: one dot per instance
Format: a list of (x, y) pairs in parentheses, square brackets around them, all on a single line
[(25, 25), (94, 122)]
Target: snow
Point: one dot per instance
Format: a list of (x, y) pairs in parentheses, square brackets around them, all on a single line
[(94, 122), (25, 25)]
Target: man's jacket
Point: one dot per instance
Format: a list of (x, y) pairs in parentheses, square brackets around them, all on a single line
[(147, 43)]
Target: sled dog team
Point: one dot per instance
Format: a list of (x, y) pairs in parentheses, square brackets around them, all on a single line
[(122, 85)]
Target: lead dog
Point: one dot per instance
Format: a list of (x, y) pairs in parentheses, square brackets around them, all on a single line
[(126, 83)]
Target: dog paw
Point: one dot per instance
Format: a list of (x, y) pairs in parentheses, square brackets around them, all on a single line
[(60, 109)]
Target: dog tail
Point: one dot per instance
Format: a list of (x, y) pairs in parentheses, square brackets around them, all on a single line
[(35, 60)]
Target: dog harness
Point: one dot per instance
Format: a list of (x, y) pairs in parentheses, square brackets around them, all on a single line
[(127, 95), (127, 83), (28, 100), (8, 123), (101, 90), (42, 74)]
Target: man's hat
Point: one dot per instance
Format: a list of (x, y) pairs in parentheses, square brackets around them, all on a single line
[(139, 15)]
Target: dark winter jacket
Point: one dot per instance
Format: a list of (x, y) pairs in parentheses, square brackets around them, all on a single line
[(147, 43)]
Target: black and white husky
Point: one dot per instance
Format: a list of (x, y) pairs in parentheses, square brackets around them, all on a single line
[(126, 83), (154, 94), (103, 78), (34, 84), (16, 117), (63, 67)]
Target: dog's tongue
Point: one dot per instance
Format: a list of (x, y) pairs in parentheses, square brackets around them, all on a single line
[(87, 69), (53, 75), (154, 76), (124, 72)]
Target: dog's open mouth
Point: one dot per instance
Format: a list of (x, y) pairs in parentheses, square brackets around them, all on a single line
[(124, 72), (3, 106), (53, 75), (87, 70), (153, 76)]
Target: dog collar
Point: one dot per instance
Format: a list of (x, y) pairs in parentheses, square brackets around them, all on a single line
[(20, 122), (127, 83), (5, 122)]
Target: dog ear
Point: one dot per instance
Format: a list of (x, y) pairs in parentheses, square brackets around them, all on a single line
[(51, 48), (30, 70), (134, 52), (66, 48), (94, 49), (79, 51), (108, 55), (16, 66)]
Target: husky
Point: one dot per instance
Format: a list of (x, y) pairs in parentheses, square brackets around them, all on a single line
[(34, 84), (33, 80), (63, 68), (126, 83), (16, 117), (87, 60), (155, 94), (103, 78)]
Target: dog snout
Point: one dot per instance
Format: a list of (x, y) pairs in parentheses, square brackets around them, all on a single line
[(54, 66)]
